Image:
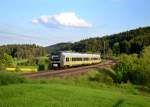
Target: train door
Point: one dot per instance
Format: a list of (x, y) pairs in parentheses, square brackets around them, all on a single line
[(62, 61)]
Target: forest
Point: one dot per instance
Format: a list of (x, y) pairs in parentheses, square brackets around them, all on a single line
[(23, 57), (22, 51), (129, 42)]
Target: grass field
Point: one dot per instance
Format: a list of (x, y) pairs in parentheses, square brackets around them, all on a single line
[(59, 95), (78, 91)]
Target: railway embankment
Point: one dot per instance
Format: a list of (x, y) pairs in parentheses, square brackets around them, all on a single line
[(70, 71)]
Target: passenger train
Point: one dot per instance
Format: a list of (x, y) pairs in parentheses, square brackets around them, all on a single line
[(70, 59)]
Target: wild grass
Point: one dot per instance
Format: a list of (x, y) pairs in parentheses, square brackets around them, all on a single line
[(78, 91), (59, 95), (7, 78)]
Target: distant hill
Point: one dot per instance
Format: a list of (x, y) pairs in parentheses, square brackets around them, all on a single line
[(59, 47), (131, 41)]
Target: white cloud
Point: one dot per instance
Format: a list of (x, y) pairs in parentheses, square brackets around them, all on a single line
[(44, 19), (35, 21), (68, 19)]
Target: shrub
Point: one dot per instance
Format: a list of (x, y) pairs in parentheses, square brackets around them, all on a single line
[(11, 78), (125, 67), (101, 76), (41, 67), (49, 66), (18, 69), (43, 64), (134, 68), (109, 71), (6, 60), (33, 61)]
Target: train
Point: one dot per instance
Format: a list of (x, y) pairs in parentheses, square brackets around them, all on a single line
[(65, 59)]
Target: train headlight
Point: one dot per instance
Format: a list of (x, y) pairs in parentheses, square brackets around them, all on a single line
[(55, 65)]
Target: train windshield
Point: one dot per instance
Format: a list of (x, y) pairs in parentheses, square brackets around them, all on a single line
[(55, 58)]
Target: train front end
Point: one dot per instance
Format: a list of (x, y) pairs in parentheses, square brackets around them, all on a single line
[(56, 60)]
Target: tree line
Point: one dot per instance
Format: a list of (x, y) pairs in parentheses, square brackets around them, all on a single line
[(129, 42), (132, 41), (24, 51)]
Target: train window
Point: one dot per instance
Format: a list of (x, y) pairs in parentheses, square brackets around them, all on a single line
[(67, 59), (86, 59), (79, 59), (94, 58), (76, 59)]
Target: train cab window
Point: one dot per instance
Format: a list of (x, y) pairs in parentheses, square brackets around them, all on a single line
[(67, 59)]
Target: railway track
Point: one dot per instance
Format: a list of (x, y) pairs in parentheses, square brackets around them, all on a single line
[(70, 71)]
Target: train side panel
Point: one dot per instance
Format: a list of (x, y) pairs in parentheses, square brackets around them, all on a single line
[(68, 60)]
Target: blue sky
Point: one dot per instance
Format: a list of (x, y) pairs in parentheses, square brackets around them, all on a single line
[(46, 22)]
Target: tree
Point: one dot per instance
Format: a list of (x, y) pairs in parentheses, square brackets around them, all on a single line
[(116, 48), (23, 51), (124, 47), (134, 68), (109, 52), (136, 47), (6, 60)]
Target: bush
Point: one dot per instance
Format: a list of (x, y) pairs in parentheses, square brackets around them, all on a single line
[(43, 64), (11, 78), (125, 67), (49, 67), (18, 69), (6, 60), (100, 76), (33, 61), (134, 68), (41, 67)]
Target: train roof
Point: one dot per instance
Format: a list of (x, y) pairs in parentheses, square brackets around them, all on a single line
[(79, 54)]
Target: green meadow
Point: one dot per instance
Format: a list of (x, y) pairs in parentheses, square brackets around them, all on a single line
[(77, 91), (58, 95)]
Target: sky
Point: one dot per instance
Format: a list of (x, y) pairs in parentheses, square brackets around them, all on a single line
[(47, 22)]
